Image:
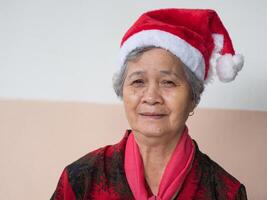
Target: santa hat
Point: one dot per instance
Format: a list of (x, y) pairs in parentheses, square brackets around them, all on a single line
[(196, 36)]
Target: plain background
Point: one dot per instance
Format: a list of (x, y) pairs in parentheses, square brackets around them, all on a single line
[(66, 50)]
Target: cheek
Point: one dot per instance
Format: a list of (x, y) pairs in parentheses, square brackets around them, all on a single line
[(179, 103), (130, 101), (132, 95)]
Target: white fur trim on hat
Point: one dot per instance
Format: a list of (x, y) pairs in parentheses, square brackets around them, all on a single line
[(218, 45), (188, 54)]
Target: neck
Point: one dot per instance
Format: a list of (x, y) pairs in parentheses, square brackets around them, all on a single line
[(155, 153), (158, 145)]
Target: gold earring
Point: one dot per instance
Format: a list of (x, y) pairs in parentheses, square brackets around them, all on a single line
[(191, 114)]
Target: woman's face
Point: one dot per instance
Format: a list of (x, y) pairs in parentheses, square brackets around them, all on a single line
[(156, 95)]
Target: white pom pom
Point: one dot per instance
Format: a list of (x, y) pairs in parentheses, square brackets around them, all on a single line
[(228, 66), (239, 61)]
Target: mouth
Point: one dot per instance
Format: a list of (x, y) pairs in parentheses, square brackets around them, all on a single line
[(150, 115)]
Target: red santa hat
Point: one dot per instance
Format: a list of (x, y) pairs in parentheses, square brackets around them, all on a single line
[(196, 36)]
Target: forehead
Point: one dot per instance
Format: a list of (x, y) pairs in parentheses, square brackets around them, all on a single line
[(156, 60)]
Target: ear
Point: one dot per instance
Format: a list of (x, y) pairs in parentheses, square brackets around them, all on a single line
[(192, 105)]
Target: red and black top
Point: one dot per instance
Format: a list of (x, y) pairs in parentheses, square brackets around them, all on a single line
[(100, 175)]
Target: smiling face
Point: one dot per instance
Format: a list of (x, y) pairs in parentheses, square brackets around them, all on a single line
[(156, 95)]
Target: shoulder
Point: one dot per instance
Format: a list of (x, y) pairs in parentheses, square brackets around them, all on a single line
[(94, 162), (209, 165), (96, 168), (91, 159), (88, 163), (216, 179)]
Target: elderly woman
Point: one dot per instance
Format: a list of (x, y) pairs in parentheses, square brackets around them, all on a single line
[(166, 58)]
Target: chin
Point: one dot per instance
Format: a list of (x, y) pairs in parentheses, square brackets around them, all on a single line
[(152, 131)]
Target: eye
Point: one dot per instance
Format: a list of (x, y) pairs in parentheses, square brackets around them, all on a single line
[(138, 82), (168, 83)]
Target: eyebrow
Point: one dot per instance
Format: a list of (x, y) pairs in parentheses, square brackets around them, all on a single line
[(165, 72), (136, 73), (168, 72)]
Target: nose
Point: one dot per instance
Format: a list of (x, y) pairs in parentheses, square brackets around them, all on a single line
[(152, 95)]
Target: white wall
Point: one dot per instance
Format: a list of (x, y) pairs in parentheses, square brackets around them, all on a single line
[(67, 49)]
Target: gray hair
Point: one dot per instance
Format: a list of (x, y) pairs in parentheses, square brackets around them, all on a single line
[(197, 85)]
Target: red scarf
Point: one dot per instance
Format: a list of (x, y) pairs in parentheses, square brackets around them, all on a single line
[(174, 175)]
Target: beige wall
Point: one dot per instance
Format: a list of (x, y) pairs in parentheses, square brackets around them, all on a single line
[(37, 139)]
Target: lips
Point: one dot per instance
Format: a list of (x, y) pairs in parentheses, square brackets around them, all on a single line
[(152, 115)]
